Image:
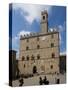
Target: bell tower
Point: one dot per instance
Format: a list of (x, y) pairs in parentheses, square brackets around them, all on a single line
[(44, 21)]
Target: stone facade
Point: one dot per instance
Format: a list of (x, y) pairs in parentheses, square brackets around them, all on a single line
[(39, 52)]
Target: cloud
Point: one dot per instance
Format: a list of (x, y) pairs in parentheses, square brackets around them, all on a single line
[(63, 53), (62, 27), (21, 33), (60, 39), (15, 40), (31, 11)]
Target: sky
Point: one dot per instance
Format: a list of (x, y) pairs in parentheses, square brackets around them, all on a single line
[(26, 19)]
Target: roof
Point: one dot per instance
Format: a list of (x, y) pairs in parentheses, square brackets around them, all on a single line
[(36, 35)]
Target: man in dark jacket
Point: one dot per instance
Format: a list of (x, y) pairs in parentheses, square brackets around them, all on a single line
[(21, 82), (40, 81), (45, 81)]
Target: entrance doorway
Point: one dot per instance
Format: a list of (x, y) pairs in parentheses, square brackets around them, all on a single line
[(34, 69)]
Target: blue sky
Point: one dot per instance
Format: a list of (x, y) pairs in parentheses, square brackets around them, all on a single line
[(26, 19)]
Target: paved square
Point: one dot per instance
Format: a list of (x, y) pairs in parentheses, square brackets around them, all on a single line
[(35, 80)]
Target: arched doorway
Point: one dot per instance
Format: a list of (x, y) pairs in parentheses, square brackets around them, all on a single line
[(34, 69)]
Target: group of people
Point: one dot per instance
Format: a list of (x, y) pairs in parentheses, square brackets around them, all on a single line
[(41, 81), (44, 81)]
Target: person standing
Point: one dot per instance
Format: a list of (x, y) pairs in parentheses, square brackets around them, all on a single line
[(40, 81), (45, 81), (21, 82)]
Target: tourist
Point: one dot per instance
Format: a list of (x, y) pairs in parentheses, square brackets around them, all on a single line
[(45, 81), (40, 81), (58, 81), (21, 82)]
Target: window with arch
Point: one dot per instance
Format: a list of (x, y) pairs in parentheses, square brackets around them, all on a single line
[(27, 58), (53, 55), (43, 17), (38, 56), (51, 66), (38, 46), (27, 48), (52, 44), (23, 58)]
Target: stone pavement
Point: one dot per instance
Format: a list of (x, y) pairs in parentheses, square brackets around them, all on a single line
[(35, 80)]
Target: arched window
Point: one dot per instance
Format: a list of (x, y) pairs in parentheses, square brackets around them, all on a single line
[(38, 56), (23, 58), (27, 48), (32, 57), (52, 44), (38, 46), (43, 17), (51, 66), (53, 55), (27, 58)]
